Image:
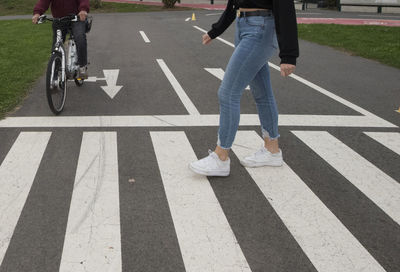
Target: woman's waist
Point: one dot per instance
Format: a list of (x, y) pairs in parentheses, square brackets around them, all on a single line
[(251, 9), (248, 12)]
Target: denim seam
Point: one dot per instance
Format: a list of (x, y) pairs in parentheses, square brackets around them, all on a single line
[(270, 112)]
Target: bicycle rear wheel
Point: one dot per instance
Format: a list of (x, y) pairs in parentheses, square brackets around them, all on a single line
[(56, 84)]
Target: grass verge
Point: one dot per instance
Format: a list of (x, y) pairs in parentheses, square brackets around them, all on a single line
[(24, 51), (379, 43)]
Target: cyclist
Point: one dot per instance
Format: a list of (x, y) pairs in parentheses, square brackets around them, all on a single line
[(62, 8)]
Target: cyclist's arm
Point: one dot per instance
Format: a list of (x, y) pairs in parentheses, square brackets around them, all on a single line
[(41, 7)]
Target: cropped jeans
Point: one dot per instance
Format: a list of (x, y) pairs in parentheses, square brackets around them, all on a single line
[(255, 42)]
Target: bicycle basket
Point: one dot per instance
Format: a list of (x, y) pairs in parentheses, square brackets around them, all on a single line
[(89, 21)]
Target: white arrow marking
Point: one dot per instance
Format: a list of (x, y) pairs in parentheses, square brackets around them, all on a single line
[(219, 73), (111, 78)]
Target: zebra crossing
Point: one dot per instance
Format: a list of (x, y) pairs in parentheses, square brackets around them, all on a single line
[(109, 188), (206, 239)]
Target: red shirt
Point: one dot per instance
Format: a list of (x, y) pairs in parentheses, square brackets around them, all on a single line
[(61, 8)]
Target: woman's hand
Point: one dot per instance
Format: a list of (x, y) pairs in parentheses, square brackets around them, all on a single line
[(82, 15), (206, 39), (287, 69)]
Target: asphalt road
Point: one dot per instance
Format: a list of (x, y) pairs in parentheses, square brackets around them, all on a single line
[(105, 186)]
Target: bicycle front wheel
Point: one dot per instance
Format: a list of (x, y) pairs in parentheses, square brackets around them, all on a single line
[(56, 84)]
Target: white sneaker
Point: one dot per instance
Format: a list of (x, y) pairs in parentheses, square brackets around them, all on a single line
[(263, 158), (211, 166)]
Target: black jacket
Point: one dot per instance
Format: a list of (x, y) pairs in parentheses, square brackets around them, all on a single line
[(285, 24)]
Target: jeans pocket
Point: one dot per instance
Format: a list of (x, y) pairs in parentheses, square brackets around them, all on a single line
[(255, 21)]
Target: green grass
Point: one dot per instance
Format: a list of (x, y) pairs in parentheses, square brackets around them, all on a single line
[(16, 7), (373, 42), (20, 7), (24, 51)]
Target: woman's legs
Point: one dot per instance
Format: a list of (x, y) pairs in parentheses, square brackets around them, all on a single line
[(254, 46), (249, 57)]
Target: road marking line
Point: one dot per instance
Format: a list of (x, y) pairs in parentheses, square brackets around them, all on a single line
[(207, 120), (219, 73), (144, 36), (205, 237), (374, 183), (214, 14), (313, 86), (17, 173), (190, 107), (389, 139), (188, 19), (324, 239), (218, 38), (93, 238)]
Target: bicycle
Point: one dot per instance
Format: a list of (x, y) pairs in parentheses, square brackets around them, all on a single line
[(62, 66)]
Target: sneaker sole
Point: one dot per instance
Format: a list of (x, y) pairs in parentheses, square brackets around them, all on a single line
[(259, 164), (209, 174)]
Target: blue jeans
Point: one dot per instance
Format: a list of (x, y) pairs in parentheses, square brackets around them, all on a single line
[(255, 43)]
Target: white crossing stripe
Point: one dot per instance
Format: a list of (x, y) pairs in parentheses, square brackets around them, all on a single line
[(389, 139), (219, 73), (93, 238), (203, 120), (323, 238), (144, 36), (17, 173), (374, 183), (190, 107), (205, 237)]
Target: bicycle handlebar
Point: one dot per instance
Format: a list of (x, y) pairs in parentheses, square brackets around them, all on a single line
[(71, 18)]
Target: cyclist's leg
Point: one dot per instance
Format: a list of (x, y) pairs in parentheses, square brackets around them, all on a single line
[(64, 30), (79, 32)]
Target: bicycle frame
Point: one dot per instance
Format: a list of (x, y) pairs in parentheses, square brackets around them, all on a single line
[(61, 64), (59, 47)]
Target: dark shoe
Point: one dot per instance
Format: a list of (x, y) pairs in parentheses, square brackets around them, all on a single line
[(82, 73)]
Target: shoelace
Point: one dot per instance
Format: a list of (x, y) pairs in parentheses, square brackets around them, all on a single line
[(261, 151)]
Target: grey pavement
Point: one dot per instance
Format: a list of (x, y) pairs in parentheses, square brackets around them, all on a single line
[(15, 17), (152, 235)]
